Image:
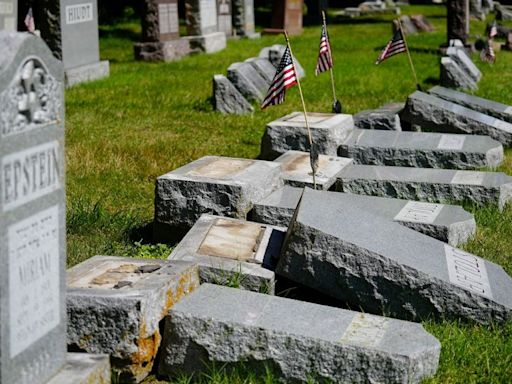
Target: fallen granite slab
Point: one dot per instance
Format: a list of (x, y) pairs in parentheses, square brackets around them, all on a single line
[(289, 133), (396, 270), (297, 172), (453, 76), (248, 81), (448, 223), (264, 67), (84, 368), (385, 118), (227, 99), (421, 149), (435, 114), (221, 186), (297, 340), (425, 184), (232, 252), (485, 106), (115, 305)]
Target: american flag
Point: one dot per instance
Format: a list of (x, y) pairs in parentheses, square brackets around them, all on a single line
[(396, 45), (324, 57), (284, 78), (488, 54), (29, 21), (493, 30)]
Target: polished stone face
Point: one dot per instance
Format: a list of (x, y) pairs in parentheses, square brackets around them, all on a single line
[(8, 15)]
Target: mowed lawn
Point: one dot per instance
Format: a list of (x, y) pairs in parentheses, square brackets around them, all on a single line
[(148, 119)]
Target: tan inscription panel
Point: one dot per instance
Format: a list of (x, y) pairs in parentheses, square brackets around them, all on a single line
[(312, 118), (221, 168), (300, 164)]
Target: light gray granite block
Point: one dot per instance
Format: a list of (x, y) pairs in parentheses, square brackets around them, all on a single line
[(264, 67), (485, 106), (233, 252), (421, 149), (248, 81), (289, 133), (396, 270), (86, 73), (462, 58), (243, 18), (9, 16), (201, 17), (386, 118), (453, 76), (84, 368), (424, 184), (297, 172), (300, 341), (448, 223), (227, 99), (275, 52), (171, 50), (435, 114), (115, 305), (210, 43)]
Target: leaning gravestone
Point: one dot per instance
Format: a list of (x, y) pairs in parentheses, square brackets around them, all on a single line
[(224, 17), (303, 341), (248, 81), (8, 15), (32, 211), (396, 270), (227, 99), (453, 76), (203, 33), (465, 63)]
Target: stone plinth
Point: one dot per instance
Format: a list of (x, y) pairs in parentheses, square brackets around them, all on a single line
[(171, 50)]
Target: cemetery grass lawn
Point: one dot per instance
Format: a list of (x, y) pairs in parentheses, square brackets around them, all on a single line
[(147, 119)]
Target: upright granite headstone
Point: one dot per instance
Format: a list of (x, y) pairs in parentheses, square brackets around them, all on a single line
[(243, 18), (202, 26), (457, 19), (32, 211), (287, 14), (8, 15), (224, 17)]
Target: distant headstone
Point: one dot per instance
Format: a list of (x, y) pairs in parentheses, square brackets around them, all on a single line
[(457, 19), (115, 305), (32, 211), (425, 184), (408, 26), (422, 23), (287, 14), (230, 251), (243, 18), (306, 341), (435, 114), (485, 106), (8, 15), (421, 149), (264, 68), (415, 277), (227, 99), (275, 52), (453, 76), (224, 17), (461, 57), (248, 81), (385, 117), (203, 32)]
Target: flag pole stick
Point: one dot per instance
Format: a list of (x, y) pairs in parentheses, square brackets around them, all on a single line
[(330, 70), (303, 105), (418, 87)]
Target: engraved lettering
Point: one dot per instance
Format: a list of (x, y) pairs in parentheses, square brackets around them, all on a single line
[(417, 212), (79, 13)]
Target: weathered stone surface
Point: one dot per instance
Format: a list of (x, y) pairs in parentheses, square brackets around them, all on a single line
[(162, 51), (248, 81), (115, 305), (422, 23), (301, 341), (448, 223), (460, 56), (221, 186), (226, 97), (243, 18), (396, 271), (457, 19), (435, 114), (233, 252), (274, 54), (264, 67), (385, 118), (421, 149), (159, 21), (289, 133), (224, 17), (209, 43), (503, 12), (32, 211), (201, 17), (424, 184), (453, 76), (86, 73), (84, 368), (297, 172), (485, 106), (407, 25)]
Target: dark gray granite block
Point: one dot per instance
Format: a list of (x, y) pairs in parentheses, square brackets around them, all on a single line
[(396, 270), (453, 76), (386, 117), (301, 341), (227, 99)]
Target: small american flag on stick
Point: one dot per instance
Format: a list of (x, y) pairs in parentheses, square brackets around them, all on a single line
[(395, 46), (324, 57), (493, 30), (284, 78), (487, 55), (29, 21)]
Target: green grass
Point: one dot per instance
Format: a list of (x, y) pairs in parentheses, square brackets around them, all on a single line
[(147, 119)]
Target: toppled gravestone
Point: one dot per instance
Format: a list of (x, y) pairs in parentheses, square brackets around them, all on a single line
[(300, 341), (453, 76), (220, 186), (274, 54), (248, 81), (289, 133), (115, 305), (435, 114), (421, 149), (459, 56), (448, 223), (84, 368), (396, 270), (227, 99), (425, 184), (485, 106), (385, 118), (230, 251)]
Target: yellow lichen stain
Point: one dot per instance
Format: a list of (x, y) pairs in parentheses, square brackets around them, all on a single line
[(142, 360), (186, 284)]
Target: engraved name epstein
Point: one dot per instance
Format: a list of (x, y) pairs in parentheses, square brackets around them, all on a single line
[(30, 174)]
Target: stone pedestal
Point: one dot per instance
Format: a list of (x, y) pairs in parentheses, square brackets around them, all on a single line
[(210, 43), (162, 51)]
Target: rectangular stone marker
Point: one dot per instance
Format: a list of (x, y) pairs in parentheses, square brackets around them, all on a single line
[(306, 341), (396, 270), (232, 251), (454, 76), (264, 68), (289, 133), (84, 368), (287, 14), (32, 211), (297, 171), (224, 17), (221, 186), (385, 117), (8, 15), (421, 108), (202, 28), (115, 305), (424, 184), (247, 79), (274, 54), (243, 18), (421, 149), (485, 106), (460, 56), (448, 223)]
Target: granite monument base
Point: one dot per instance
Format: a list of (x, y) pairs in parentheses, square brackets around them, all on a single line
[(85, 73), (171, 50)]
